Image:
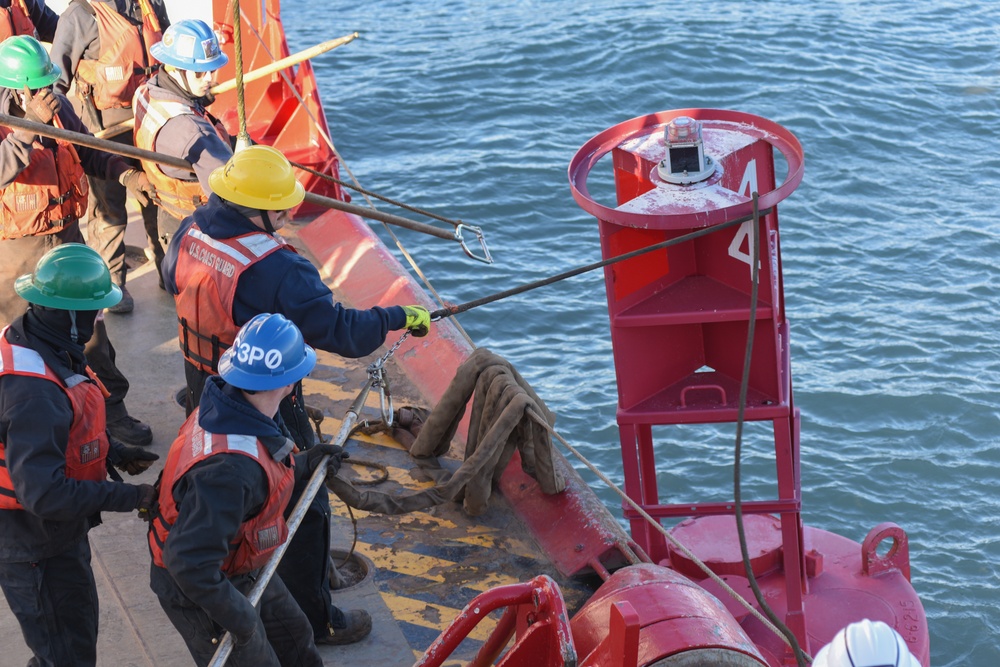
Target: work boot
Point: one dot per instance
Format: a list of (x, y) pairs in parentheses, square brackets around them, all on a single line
[(131, 431), (126, 305), (359, 625)]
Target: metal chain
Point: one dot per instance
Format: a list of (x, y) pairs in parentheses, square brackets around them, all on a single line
[(376, 371)]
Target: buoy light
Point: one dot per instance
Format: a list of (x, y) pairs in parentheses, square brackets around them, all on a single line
[(685, 162)]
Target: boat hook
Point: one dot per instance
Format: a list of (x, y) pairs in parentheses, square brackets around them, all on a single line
[(94, 143), (458, 224), (448, 311)]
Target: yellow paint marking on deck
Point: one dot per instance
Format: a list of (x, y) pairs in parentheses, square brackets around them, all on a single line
[(473, 535), (433, 569), (433, 616), (330, 390)]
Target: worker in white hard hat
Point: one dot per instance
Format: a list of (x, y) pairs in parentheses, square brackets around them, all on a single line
[(866, 644)]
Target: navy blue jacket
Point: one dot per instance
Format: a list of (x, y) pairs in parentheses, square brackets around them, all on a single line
[(288, 283), (35, 420), (214, 498)]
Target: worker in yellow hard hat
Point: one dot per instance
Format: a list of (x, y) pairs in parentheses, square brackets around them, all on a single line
[(227, 264)]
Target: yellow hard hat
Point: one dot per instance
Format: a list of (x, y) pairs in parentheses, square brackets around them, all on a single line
[(258, 177)]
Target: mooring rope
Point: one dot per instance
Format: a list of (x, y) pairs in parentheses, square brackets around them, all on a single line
[(243, 139)]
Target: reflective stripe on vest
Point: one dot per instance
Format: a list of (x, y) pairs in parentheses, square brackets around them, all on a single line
[(16, 20), (257, 537), (179, 197), (124, 62), (48, 194), (88, 445), (207, 274)]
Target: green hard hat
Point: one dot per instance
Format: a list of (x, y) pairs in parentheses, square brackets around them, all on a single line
[(25, 62), (71, 276)]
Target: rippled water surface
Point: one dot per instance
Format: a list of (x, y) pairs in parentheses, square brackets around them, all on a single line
[(890, 244)]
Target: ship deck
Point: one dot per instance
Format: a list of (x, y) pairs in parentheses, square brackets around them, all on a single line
[(414, 572)]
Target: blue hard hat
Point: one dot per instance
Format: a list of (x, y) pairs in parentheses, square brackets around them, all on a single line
[(192, 45), (269, 352)]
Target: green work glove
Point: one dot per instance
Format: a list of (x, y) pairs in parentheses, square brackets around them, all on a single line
[(418, 320)]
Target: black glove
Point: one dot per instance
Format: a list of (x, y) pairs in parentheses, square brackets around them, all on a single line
[(147, 504), (315, 453), (132, 460), (239, 641)]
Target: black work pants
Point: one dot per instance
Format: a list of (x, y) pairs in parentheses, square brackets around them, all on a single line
[(283, 635), (305, 567), (55, 602)]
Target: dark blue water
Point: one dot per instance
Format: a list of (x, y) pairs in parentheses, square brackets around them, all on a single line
[(890, 244)]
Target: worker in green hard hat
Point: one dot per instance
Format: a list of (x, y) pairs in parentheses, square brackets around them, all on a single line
[(56, 451), (43, 194)]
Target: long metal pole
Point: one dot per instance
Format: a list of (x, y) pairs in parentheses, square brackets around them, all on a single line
[(448, 311), (93, 142), (315, 482)]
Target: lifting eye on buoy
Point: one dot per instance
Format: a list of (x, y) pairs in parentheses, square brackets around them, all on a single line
[(686, 162)]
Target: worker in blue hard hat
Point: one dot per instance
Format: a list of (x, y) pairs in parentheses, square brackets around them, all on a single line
[(252, 196), (172, 118), (225, 488), (866, 644), (56, 454)]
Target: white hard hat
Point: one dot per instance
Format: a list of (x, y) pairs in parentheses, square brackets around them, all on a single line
[(866, 644)]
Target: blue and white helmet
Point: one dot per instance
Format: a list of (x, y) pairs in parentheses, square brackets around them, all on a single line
[(866, 644), (268, 353), (192, 45)]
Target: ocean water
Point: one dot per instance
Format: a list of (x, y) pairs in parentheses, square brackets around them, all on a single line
[(890, 244)]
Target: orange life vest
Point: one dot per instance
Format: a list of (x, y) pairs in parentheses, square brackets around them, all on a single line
[(88, 444), (258, 536), (124, 62), (48, 194), (179, 197), (206, 275), (15, 20)]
